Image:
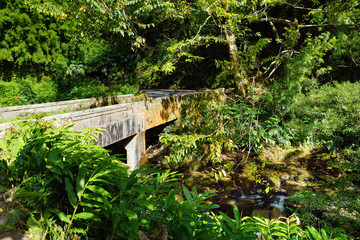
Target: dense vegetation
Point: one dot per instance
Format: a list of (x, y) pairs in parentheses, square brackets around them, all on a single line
[(66, 188), (291, 69)]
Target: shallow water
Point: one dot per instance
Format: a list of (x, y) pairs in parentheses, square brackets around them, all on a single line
[(269, 206)]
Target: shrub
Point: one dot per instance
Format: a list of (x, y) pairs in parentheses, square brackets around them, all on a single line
[(88, 88), (68, 184), (27, 91), (194, 135), (330, 114), (10, 94), (209, 126)]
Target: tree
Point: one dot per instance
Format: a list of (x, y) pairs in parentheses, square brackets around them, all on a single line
[(118, 26), (167, 38), (29, 41), (103, 18), (248, 27), (232, 19)]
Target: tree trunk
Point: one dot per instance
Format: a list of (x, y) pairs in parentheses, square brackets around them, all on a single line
[(240, 80)]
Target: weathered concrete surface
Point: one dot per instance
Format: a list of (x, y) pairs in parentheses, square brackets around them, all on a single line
[(8, 113), (163, 93), (135, 149)]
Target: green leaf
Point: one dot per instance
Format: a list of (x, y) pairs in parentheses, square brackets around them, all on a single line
[(170, 199), (187, 194), (29, 195), (324, 234), (101, 180), (54, 163), (70, 192), (77, 230), (10, 226), (125, 226), (100, 174), (279, 234), (91, 204), (229, 221), (80, 181), (145, 204), (15, 146), (312, 233), (194, 193), (3, 165), (227, 231), (99, 190), (86, 216), (237, 216), (54, 169), (94, 197), (62, 216), (54, 156), (212, 206), (15, 215), (131, 215)]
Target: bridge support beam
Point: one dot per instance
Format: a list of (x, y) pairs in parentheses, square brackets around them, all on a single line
[(135, 150)]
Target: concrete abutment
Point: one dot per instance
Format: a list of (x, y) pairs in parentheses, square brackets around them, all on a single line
[(136, 150)]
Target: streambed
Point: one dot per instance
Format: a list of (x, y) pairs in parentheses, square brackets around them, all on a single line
[(237, 188)]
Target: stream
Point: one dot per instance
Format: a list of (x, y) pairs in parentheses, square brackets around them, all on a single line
[(269, 206), (236, 188)]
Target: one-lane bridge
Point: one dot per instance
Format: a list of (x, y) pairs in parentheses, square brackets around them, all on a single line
[(126, 119)]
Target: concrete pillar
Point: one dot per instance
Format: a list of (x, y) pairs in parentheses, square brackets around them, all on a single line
[(135, 149)]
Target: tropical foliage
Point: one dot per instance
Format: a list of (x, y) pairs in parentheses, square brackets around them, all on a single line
[(64, 187), (291, 70)]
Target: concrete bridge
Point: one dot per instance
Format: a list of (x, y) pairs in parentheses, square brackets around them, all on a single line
[(128, 118)]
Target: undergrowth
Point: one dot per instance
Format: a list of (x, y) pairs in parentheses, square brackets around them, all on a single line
[(324, 118), (60, 186)]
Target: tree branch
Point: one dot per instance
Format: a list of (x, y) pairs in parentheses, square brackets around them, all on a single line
[(277, 20), (207, 19), (303, 8), (357, 5), (298, 25), (277, 36)]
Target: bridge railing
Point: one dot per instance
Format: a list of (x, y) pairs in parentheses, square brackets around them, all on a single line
[(10, 113)]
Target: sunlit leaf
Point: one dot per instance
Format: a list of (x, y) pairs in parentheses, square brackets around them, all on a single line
[(80, 180), (70, 192), (145, 204), (187, 195), (131, 215), (99, 190), (62, 216), (86, 216)]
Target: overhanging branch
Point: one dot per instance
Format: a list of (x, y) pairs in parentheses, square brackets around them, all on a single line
[(299, 25)]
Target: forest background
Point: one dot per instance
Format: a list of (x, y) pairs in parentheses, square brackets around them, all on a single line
[(292, 68)]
